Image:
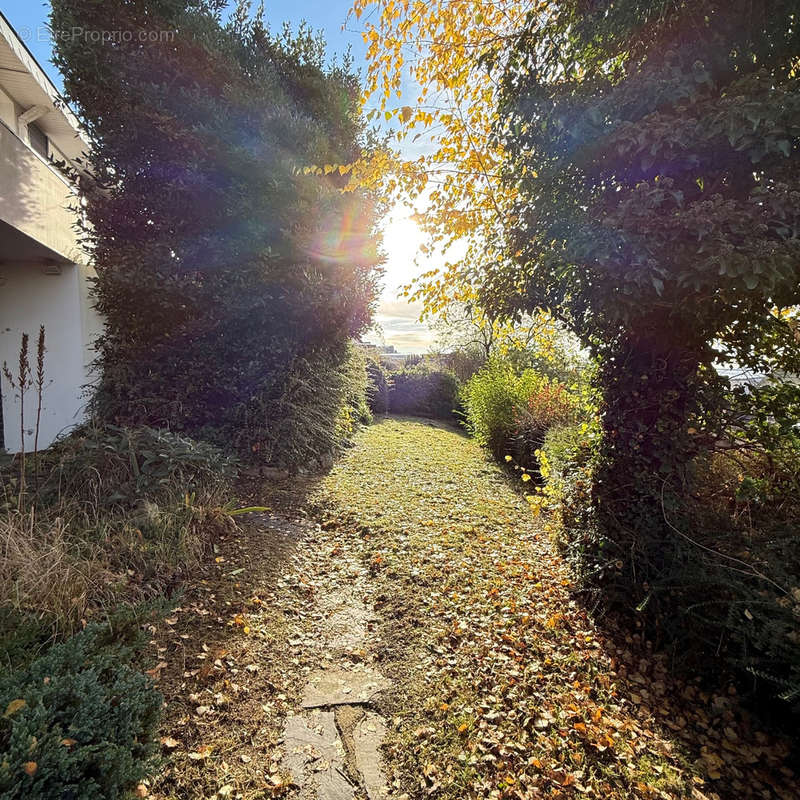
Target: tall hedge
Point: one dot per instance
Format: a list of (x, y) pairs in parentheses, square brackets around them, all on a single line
[(655, 152), (222, 263)]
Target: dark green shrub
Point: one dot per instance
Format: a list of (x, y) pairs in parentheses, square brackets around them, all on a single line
[(79, 722), (22, 637), (424, 393), (736, 595), (739, 581)]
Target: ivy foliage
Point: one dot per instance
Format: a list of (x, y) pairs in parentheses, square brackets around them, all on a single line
[(223, 262), (655, 153)]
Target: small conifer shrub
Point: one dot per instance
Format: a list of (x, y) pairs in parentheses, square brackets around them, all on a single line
[(79, 722)]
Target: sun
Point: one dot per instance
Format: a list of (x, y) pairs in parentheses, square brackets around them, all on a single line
[(402, 240)]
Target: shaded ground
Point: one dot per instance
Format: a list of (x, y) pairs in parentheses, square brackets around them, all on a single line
[(266, 667), (501, 686)]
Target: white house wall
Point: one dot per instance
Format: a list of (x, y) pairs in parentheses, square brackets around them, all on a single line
[(30, 298), (43, 276)]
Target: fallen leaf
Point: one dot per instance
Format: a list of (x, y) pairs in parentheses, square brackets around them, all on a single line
[(169, 742), (201, 753), (14, 706)]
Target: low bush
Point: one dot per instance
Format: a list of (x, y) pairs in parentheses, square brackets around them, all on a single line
[(739, 580), (510, 413), (546, 403), (79, 722), (491, 399), (109, 466), (419, 391), (22, 638), (566, 451), (109, 514), (566, 463)]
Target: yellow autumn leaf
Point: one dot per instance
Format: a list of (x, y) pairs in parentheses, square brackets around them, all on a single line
[(14, 706)]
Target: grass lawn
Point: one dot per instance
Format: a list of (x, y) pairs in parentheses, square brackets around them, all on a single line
[(503, 685)]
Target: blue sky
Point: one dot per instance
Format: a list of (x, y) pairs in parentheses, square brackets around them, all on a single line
[(397, 319)]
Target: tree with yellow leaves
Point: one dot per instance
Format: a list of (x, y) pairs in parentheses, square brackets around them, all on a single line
[(442, 48)]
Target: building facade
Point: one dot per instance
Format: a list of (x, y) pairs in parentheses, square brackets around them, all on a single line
[(45, 276)]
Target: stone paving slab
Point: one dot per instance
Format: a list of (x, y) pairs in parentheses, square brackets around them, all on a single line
[(314, 755), (333, 687), (367, 740)]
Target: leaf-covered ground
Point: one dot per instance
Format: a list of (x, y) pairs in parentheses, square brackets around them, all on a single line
[(503, 687)]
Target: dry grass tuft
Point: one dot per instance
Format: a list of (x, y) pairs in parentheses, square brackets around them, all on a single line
[(42, 573), (113, 516)]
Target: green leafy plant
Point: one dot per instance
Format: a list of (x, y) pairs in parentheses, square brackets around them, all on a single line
[(78, 722), (110, 466), (510, 413)]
